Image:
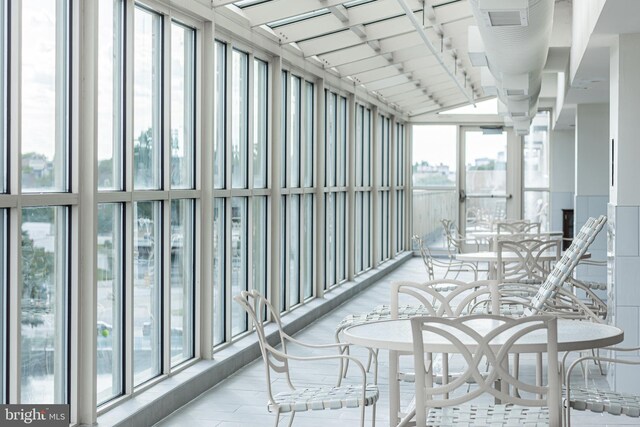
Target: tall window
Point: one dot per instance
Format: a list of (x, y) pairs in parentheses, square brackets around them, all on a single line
[(219, 119), (399, 186), (147, 102), (239, 118), (44, 229), (335, 199), (362, 164), (45, 304), (384, 164), (536, 171)]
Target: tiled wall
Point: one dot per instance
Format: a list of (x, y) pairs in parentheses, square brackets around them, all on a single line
[(585, 207), (624, 283)]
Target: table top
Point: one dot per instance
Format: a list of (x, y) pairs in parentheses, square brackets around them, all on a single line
[(490, 234), (396, 335), (492, 256)]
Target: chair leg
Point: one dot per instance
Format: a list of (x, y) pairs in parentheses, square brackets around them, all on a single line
[(277, 418), (373, 415), (293, 414)]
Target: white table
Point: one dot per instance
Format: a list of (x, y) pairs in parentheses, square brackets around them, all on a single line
[(396, 336), (491, 257), (492, 234)]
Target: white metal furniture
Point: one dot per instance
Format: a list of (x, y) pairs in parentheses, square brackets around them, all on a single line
[(296, 399), (450, 265), (436, 405), (600, 400), (521, 226), (396, 335), (530, 266), (491, 257)]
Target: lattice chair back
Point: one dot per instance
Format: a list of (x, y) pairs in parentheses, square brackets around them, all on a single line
[(513, 226), (428, 299), (448, 403), (260, 310), (531, 264), (427, 258), (563, 268)]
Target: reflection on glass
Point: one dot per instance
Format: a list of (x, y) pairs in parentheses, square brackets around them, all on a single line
[(358, 230), (109, 287), (359, 136), (218, 271), (400, 154), (341, 142), (330, 137), (239, 118), (309, 132), (366, 223), (182, 106), (400, 221), (44, 305), (110, 95), (295, 130), (147, 292), (182, 280), (147, 105), (283, 123), (220, 94), (366, 148), (330, 239), (283, 253), (294, 250), (260, 128), (434, 156), (238, 261), (307, 247), (383, 226), (341, 236), (259, 247), (44, 95), (536, 208)]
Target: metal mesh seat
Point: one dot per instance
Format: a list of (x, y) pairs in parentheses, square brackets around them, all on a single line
[(308, 399), (601, 400), (489, 415), (296, 399)]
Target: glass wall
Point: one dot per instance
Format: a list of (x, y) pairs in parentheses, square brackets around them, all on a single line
[(383, 147), (535, 161), (399, 178), (362, 164)]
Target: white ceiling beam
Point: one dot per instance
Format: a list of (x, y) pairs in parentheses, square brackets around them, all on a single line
[(341, 13), (433, 50), (276, 10)]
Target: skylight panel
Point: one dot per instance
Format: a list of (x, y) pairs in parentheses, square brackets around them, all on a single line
[(298, 18), (354, 3), (246, 3)]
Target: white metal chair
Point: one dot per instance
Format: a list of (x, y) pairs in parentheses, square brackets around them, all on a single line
[(517, 226), (449, 404), (448, 264), (531, 265), (600, 400), (294, 399)]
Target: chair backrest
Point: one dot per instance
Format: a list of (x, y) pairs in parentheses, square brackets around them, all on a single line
[(563, 268), (427, 258), (259, 309), (462, 298), (519, 226), (531, 263), (469, 337)]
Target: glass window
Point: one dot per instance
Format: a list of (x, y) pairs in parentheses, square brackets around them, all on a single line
[(359, 231), (536, 171), (330, 135), (4, 105), (359, 142), (4, 294), (366, 148), (182, 280), (183, 58), (434, 156), (219, 122), (44, 95), (283, 253), (238, 261), (294, 146), (147, 292), (294, 250), (341, 236), (147, 103), (341, 143), (44, 305), (330, 239), (218, 271), (309, 134), (307, 247), (260, 128), (259, 244), (109, 293), (283, 123), (239, 118), (400, 221), (366, 224), (110, 95)]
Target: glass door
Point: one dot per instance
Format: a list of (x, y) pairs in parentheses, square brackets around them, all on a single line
[(483, 185)]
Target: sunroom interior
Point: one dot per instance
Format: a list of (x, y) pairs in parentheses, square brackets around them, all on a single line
[(160, 157)]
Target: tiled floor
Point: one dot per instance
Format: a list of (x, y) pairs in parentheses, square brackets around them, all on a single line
[(241, 399)]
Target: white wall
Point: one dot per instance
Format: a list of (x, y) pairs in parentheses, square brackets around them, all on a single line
[(592, 150), (562, 174), (585, 17)]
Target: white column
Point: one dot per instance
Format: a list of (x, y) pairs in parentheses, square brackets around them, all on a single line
[(591, 182), (624, 206)]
